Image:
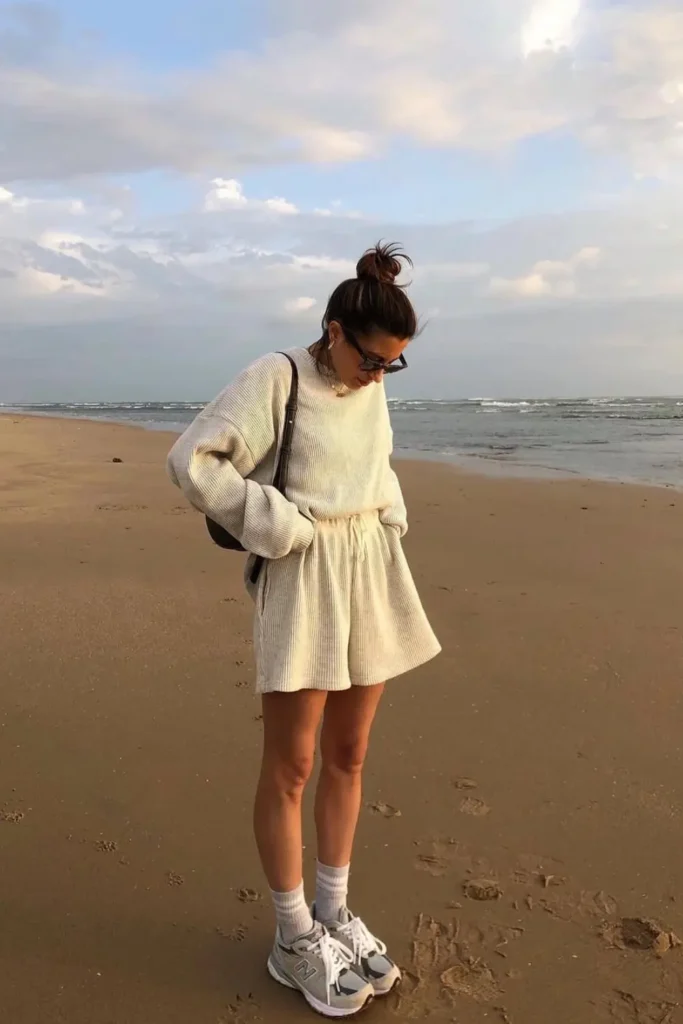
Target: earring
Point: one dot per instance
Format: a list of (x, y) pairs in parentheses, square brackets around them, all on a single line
[(331, 342)]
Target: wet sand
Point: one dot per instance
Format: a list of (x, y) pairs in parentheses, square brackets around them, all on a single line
[(537, 765)]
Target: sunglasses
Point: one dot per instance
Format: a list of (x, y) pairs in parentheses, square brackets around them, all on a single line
[(371, 364)]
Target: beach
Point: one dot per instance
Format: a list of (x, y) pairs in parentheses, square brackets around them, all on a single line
[(520, 845)]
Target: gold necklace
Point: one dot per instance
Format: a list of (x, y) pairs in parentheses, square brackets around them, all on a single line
[(339, 388)]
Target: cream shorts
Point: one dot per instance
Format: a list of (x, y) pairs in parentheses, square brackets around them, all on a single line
[(343, 613)]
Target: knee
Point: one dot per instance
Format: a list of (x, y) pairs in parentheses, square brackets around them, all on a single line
[(289, 775), (346, 758)]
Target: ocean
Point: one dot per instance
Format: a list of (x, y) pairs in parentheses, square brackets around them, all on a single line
[(622, 439)]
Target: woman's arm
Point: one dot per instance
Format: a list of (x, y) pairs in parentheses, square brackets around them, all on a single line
[(395, 514), (224, 444)]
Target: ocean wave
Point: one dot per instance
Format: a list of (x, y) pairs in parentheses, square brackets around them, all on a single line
[(499, 404)]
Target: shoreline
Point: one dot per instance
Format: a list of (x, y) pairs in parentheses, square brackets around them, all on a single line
[(476, 465)]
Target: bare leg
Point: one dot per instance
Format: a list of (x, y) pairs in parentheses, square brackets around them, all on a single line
[(348, 719), (290, 722), (345, 734)]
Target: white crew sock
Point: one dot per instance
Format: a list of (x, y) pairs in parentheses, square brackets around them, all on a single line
[(331, 890), (293, 913)]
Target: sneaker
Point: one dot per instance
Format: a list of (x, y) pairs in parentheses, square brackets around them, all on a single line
[(320, 968), (368, 955)]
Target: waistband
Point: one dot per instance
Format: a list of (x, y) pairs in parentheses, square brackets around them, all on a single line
[(346, 521), (359, 526)]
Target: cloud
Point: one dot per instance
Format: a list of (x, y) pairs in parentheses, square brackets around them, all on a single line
[(551, 25), (336, 88), (91, 286), (301, 305), (548, 278), (166, 306), (228, 194)]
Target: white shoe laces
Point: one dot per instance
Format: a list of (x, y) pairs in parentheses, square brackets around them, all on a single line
[(362, 940), (335, 956)]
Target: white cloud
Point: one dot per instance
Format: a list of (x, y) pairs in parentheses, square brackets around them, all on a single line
[(550, 26), (103, 286), (328, 264), (33, 282), (228, 194), (279, 205), (554, 279), (337, 88), (594, 296), (225, 193), (321, 144), (336, 209), (301, 305)]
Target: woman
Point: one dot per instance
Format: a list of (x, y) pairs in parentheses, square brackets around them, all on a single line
[(337, 612)]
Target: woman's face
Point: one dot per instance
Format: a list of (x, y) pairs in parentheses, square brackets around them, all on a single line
[(360, 360)]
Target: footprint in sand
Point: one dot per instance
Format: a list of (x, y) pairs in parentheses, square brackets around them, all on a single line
[(174, 879), (442, 972), (482, 889), (237, 934), (106, 846), (625, 1008), (249, 895), (241, 683), (474, 807), (385, 810), (121, 508), (464, 783), (431, 863), (445, 855), (241, 1011), (640, 933), (12, 817)]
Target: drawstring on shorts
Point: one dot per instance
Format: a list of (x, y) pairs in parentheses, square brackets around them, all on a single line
[(359, 532)]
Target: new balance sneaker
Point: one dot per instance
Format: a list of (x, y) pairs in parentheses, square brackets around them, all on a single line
[(368, 955), (321, 969)]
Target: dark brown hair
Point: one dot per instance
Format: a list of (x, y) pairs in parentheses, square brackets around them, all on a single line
[(372, 301)]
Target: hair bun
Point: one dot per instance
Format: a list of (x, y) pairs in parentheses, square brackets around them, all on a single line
[(382, 263)]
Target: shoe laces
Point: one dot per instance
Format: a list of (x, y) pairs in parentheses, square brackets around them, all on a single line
[(336, 958), (363, 942)]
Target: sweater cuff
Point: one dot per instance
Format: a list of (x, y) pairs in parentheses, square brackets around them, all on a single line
[(303, 536), (392, 517)]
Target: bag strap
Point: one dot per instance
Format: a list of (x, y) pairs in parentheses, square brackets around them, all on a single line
[(280, 480), (281, 472)]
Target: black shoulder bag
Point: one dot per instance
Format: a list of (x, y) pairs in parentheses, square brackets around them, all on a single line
[(222, 537)]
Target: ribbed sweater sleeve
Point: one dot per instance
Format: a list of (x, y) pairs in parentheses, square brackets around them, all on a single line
[(395, 514), (212, 460)]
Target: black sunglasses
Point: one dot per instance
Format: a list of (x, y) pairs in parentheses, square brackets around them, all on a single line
[(371, 364)]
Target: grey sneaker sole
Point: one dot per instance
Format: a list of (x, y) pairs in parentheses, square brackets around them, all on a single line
[(322, 1008), (387, 985)]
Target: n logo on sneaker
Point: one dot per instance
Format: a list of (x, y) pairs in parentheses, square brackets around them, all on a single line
[(305, 969)]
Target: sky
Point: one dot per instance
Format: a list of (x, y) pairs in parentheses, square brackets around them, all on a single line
[(183, 184)]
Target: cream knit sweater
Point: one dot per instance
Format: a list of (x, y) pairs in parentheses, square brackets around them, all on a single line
[(339, 467)]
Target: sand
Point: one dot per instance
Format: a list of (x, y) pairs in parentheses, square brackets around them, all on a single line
[(537, 765)]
